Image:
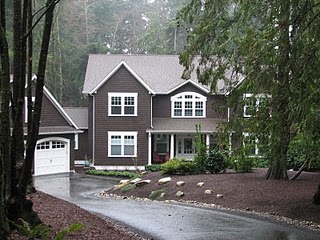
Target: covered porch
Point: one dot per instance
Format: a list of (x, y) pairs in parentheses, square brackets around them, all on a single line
[(175, 138)]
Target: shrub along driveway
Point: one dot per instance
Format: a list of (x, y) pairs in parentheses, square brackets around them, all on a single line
[(164, 220)]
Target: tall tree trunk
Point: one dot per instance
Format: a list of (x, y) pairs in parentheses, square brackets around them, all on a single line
[(316, 197), (17, 147), (26, 175), (280, 135), (5, 121), (19, 206)]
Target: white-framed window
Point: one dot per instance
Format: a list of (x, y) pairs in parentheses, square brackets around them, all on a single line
[(122, 144), (254, 145), (252, 103), (26, 108), (123, 104), (188, 105)]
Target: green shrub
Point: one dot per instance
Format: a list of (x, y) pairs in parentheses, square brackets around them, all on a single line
[(242, 163), (178, 166), (127, 188), (201, 150), (261, 163), (153, 167), (215, 161), (125, 174), (295, 157), (156, 193)]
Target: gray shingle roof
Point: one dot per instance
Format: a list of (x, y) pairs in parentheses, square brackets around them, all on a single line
[(79, 115), (178, 125), (161, 73)]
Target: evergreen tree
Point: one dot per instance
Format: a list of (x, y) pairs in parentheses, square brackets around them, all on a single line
[(274, 44)]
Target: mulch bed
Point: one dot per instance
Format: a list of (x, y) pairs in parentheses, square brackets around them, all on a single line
[(243, 191), (59, 214)]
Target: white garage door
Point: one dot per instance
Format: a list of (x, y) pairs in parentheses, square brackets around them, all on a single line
[(52, 156)]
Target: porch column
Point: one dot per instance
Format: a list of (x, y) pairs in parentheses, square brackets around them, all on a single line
[(172, 146), (149, 149), (208, 142)]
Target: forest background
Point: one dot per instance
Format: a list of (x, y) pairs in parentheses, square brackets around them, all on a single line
[(83, 27)]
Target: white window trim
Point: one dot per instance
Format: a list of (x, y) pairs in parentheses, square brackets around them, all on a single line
[(257, 98), (122, 134), (256, 146), (123, 95), (256, 150), (202, 99), (26, 108)]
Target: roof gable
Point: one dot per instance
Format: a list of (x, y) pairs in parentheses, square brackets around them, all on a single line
[(59, 108), (192, 83), (110, 74)]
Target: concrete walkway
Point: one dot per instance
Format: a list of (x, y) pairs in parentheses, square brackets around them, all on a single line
[(159, 220)]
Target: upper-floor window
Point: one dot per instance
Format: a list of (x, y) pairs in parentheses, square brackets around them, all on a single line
[(123, 104), (255, 102), (122, 144), (188, 105)]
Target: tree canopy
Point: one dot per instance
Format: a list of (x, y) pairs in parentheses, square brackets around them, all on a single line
[(274, 44)]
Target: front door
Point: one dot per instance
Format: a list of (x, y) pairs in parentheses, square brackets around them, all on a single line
[(185, 147)]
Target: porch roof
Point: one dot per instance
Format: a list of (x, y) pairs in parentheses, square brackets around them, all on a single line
[(178, 125)]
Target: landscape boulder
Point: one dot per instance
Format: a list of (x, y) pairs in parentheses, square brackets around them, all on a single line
[(181, 183), (142, 182), (135, 180), (200, 184), (180, 194), (164, 180), (208, 192)]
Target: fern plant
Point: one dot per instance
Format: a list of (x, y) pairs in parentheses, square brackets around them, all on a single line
[(42, 232)]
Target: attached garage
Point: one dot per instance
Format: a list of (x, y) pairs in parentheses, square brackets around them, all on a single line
[(52, 155)]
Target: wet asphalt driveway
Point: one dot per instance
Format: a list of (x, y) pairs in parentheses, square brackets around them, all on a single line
[(163, 220)]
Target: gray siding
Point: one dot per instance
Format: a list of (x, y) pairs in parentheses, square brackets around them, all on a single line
[(121, 81)]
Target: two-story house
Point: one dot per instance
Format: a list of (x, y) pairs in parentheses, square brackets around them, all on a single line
[(140, 108)]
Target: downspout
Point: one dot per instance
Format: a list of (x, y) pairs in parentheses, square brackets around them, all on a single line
[(151, 112), (93, 125), (149, 134)]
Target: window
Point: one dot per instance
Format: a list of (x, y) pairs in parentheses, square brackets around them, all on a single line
[(43, 146), (188, 105), (122, 104), (255, 103), (162, 143), (122, 144), (57, 144), (255, 145)]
